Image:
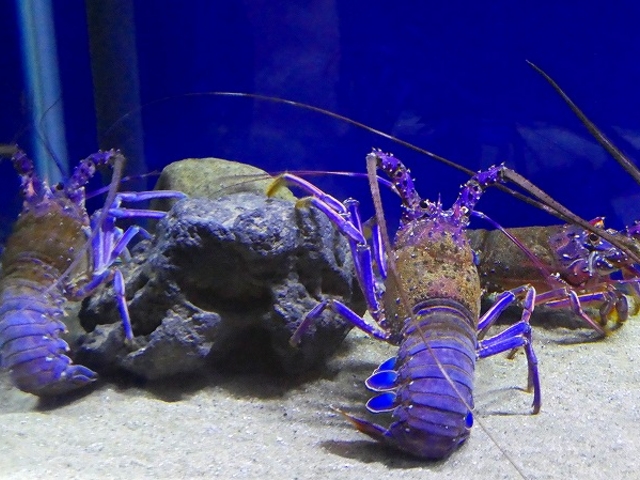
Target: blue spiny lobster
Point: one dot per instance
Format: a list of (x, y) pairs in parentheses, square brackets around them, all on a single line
[(47, 260), (428, 385)]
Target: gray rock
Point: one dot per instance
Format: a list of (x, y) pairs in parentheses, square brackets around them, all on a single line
[(226, 280)]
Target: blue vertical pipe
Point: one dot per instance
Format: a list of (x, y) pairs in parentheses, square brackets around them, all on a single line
[(40, 65)]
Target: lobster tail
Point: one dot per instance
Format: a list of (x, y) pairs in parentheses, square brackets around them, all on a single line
[(31, 348), (430, 408)]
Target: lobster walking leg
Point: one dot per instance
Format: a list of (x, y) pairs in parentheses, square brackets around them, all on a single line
[(518, 335), (110, 242)]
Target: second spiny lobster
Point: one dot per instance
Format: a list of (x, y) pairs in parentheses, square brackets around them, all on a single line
[(58, 253)]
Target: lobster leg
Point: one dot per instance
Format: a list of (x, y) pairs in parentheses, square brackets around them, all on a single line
[(612, 303), (110, 243), (342, 310), (346, 217), (517, 335)]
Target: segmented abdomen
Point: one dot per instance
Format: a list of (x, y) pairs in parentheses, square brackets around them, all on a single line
[(432, 417), (30, 345)]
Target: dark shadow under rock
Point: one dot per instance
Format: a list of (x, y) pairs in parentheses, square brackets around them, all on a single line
[(219, 275)]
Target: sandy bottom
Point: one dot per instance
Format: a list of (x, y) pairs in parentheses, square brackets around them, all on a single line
[(255, 426)]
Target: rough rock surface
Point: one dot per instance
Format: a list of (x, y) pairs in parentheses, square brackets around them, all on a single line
[(225, 280)]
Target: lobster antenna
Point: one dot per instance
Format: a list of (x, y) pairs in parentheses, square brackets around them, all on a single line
[(337, 116), (543, 202), (623, 243), (7, 150), (395, 277), (602, 139), (399, 141)]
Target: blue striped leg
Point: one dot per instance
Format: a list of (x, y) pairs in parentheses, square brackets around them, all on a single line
[(346, 218), (517, 335), (111, 242)]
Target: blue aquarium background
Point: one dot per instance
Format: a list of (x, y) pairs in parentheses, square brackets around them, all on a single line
[(450, 77)]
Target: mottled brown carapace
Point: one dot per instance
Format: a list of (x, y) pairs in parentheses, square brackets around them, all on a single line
[(431, 264), (47, 237)]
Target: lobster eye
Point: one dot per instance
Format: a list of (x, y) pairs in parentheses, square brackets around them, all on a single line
[(593, 238)]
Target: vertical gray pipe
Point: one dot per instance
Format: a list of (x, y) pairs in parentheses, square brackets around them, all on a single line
[(116, 85)]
